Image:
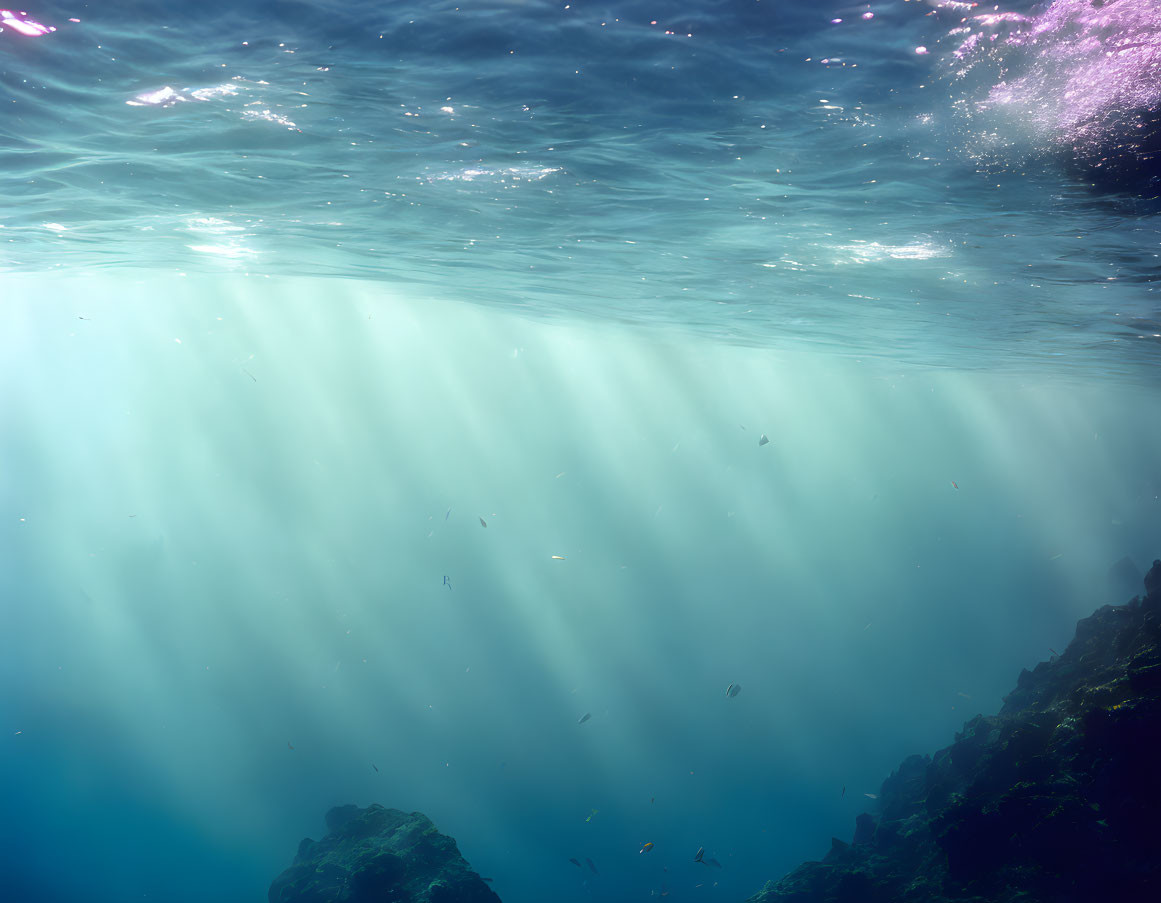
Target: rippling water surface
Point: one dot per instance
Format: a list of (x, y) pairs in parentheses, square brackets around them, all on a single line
[(755, 171)]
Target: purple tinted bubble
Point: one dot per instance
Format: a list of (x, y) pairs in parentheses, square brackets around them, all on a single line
[(836, 21), (868, 15)]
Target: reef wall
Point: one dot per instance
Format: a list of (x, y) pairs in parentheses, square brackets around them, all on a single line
[(1055, 799)]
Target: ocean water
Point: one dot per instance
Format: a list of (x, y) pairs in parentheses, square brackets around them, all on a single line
[(382, 388)]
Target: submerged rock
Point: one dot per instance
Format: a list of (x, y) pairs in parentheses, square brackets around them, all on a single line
[(1057, 799), (377, 854)]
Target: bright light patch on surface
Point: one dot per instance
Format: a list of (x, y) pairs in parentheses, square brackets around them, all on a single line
[(211, 225), (522, 173), (162, 97), (226, 90), (269, 116), (167, 96), (24, 24), (228, 252), (873, 251)]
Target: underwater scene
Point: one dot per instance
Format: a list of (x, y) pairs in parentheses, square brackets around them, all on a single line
[(623, 432)]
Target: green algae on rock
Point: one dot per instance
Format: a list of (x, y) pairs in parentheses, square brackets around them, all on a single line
[(377, 854)]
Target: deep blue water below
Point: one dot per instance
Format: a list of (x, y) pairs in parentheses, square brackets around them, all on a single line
[(382, 388)]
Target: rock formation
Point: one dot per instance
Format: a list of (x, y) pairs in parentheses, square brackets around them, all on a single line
[(1057, 799), (381, 855)]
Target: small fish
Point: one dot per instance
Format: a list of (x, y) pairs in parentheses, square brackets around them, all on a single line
[(1057, 556), (249, 374), (697, 857), (289, 744), (593, 867), (558, 558), (652, 799), (591, 814), (483, 523), (446, 516), (764, 440), (1054, 652), (376, 767), (733, 690), (585, 717), (871, 796), (574, 862), (844, 793), (447, 581), (646, 847), (954, 484)]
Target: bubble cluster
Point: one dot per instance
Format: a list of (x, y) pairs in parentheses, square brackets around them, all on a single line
[(1083, 75)]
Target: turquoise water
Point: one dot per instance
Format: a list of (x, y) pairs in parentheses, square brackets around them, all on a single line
[(297, 298)]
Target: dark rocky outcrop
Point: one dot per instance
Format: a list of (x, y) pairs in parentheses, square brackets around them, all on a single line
[(1057, 799), (381, 855)]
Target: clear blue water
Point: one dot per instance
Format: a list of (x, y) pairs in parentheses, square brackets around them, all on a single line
[(293, 295)]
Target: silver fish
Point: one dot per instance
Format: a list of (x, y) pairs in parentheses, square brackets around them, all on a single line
[(697, 857), (764, 440), (733, 690), (585, 717)]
